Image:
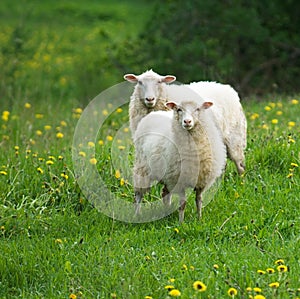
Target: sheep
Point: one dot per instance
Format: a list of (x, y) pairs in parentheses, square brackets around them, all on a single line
[(227, 110), (181, 148), (149, 95)]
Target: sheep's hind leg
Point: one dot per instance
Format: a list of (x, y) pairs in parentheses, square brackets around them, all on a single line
[(199, 202), (182, 205), (166, 195)]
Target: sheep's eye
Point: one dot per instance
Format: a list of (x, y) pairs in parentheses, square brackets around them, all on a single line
[(179, 110), (140, 82)]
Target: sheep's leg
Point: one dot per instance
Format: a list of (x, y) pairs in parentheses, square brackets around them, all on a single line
[(166, 195), (199, 202), (182, 205), (138, 196)]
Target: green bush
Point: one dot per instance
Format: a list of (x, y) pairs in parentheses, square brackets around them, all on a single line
[(253, 45)]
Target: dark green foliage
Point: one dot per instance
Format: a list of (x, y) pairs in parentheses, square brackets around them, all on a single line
[(253, 45)]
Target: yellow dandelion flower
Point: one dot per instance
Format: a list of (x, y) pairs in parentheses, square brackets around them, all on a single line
[(274, 285), (121, 147), (261, 272), (113, 295), (63, 123), (58, 241), (72, 296), (51, 158), (270, 270), (216, 266), (49, 162), (119, 110), (291, 124), (199, 286), (126, 130), (122, 182), (232, 292), (148, 297), (265, 126), (282, 268), (93, 161), (47, 127), (104, 112), (274, 121), (5, 117), (100, 142), (39, 115), (268, 108), (172, 280), (294, 164), (174, 293), (109, 138), (257, 290), (254, 116), (60, 157), (82, 154), (273, 105), (40, 170), (78, 110), (279, 104), (184, 267), (249, 289), (2, 172), (27, 105), (176, 230), (290, 175), (279, 262), (91, 144), (117, 174), (17, 148), (279, 112), (38, 132), (59, 135), (294, 101), (65, 176), (169, 287), (259, 297)]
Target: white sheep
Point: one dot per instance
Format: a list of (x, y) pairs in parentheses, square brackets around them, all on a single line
[(227, 110), (148, 95), (181, 148)]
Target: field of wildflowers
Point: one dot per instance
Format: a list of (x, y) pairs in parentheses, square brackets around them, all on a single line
[(55, 244)]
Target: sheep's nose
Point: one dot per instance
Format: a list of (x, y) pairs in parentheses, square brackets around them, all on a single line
[(187, 121), (150, 99)]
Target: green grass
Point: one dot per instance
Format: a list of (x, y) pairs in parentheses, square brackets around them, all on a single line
[(55, 244)]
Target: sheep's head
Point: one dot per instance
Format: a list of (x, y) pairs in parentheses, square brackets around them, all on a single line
[(148, 84), (188, 113)]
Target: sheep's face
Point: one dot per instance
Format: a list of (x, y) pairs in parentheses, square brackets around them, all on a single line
[(188, 113), (149, 86)]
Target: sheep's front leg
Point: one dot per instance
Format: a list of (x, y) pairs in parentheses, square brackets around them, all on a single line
[(199, 202), (182, 205), (166, 195), (138, 196)]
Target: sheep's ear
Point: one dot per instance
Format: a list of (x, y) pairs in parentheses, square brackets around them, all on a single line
[(171, 105), (131, 78), (168, 79), (206, 105)]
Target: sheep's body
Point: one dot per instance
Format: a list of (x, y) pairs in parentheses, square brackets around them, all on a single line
[(177, 156), (227, 109)]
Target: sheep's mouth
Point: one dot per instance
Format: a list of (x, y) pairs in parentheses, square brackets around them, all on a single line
[(150, 104), (187, 127)]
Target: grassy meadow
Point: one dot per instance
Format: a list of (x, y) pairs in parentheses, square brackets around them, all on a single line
[(55, 244)]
